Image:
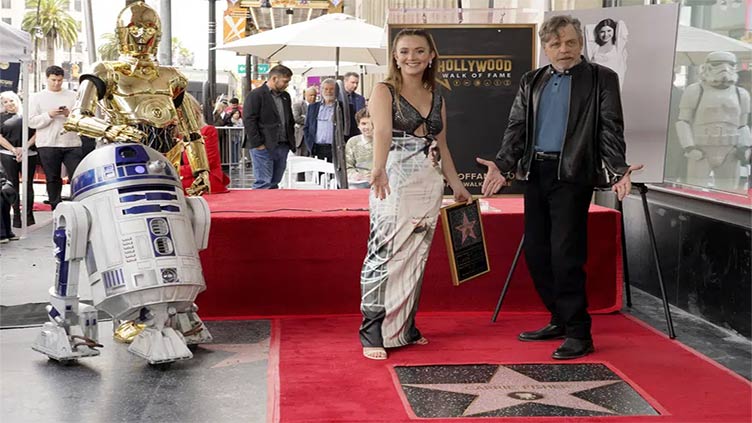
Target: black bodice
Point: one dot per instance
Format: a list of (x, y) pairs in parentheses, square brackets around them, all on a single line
[(406, 118)]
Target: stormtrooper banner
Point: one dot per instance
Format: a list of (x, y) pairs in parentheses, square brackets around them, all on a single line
[(638, 43), (478, 73)]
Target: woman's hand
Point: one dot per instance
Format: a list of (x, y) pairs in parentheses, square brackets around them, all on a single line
[(380, 183), (462, 195), (434, 153), (19, 154)]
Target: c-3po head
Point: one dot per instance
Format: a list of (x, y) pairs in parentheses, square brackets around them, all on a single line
[(138, 30)]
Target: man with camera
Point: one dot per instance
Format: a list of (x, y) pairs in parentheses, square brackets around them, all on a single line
[(47, 114)]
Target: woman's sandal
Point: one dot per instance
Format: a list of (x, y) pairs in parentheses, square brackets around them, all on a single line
[(421, 341), (374, 353)]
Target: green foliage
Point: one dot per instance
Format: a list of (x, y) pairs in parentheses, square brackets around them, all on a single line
[(58, 28)]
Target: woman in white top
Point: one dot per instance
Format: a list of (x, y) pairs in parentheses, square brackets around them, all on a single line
[(607, 47)]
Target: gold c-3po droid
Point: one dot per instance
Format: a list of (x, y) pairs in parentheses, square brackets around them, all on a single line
[(134, 99), (141, 101)]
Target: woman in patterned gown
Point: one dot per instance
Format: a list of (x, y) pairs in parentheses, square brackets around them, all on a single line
[(410, 156)]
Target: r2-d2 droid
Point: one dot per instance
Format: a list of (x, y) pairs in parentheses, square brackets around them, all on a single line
[(140, 237)]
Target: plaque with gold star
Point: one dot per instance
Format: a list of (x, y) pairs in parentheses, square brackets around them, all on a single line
[(466, 244)]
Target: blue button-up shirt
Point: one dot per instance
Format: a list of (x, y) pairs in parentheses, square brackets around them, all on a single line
[(553, 113), (325, 124)]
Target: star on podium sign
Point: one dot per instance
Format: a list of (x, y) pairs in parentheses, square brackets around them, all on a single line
[(467, 228)]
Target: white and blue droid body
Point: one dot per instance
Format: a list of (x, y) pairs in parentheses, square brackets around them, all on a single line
[(139, 237)]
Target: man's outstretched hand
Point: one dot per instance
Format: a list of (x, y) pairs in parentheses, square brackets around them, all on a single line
[(493, 181)]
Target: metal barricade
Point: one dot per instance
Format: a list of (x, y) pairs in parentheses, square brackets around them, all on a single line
[(235, 160)]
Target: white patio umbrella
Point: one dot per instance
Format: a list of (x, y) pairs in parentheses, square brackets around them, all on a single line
[(333, 37), (325, 68), (693, 44)]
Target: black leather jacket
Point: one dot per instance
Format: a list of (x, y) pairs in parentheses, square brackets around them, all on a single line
[(593, 152)]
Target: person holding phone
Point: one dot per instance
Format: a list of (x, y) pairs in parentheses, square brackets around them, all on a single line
[(48, 111)]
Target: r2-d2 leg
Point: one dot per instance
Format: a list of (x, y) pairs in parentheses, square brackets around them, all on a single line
[(187, 322), (72, 331), (193, 329)]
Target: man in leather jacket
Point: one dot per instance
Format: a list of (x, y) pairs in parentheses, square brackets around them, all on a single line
[(565, 136)]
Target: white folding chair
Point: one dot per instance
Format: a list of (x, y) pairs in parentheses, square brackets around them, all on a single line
[(319, 173)]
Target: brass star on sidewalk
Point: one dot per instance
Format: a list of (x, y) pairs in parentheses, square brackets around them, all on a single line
[(242, 353), (467, 228), (508, 388)]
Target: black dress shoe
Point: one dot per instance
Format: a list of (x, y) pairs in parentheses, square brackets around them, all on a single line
[(544, 334), (573, 348)]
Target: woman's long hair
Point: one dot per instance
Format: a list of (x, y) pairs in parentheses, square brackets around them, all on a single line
[(13, 96), (601, 24), (394, 77)]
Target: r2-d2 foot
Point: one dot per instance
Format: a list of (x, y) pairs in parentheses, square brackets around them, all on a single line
[(65, 341), (193, 329)]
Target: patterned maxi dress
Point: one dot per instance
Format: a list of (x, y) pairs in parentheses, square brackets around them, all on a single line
[(401, 230)]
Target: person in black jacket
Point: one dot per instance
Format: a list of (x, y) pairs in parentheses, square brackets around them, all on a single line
[(565, 136), (269, 128), (8, 196)]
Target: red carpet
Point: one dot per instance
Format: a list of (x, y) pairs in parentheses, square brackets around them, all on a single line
[(42, 207), (323, 377), (286, 252)]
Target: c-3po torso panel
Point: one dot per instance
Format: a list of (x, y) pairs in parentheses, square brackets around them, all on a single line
[(146, 99)]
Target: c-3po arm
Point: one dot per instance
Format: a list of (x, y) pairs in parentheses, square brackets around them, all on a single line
[(83, 120)]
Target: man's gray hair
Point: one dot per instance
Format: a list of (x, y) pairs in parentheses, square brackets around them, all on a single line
[(550, 28), (328, 81)]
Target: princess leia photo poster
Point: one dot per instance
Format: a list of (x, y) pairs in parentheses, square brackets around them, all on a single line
[(606, 45)]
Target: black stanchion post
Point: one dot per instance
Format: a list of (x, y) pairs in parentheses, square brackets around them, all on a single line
[(643, 193), (509, 279), (624, 261)]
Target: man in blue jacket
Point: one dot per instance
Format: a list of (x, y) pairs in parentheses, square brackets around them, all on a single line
[(318, 133)]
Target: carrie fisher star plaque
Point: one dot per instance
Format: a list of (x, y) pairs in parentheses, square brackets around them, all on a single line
[(466, 244)]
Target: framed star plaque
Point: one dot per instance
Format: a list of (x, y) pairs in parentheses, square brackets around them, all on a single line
[(465, 241)]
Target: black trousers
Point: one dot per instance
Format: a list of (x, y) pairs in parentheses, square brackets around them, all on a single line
[(52, 159), (322, 151), (5, 229), (13, 171), (556, 216)]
